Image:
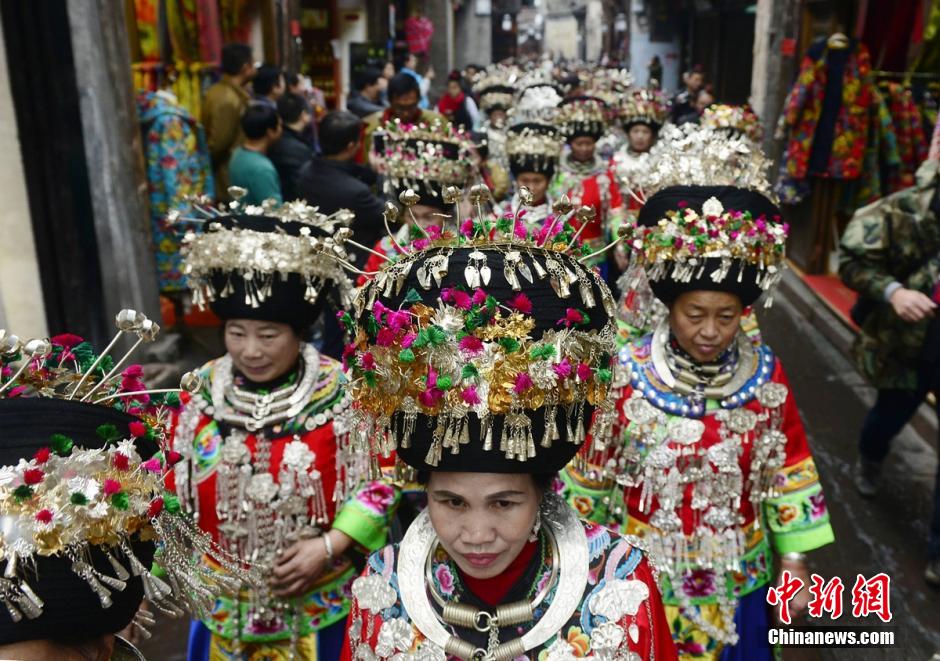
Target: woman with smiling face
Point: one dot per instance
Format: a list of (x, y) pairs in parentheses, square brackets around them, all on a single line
[(706, 457), (267, 469), (482, 381)]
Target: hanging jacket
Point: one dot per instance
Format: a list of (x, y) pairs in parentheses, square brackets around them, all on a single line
[(177, 160)]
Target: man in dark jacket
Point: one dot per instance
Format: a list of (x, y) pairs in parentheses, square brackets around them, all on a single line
[(291, 152), (364, 99), (333, 181)]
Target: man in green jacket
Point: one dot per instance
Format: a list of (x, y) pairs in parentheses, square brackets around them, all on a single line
[(250, 168), (222, 110), (890, 255)]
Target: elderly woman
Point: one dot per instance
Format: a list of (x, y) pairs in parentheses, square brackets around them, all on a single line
[(478, 359), (705, 455), (267, 468)]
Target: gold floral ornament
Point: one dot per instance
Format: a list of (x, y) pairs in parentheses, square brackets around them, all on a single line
[(735, 120), (82, 470), (583, 116), (642, 106), (305, 243), (686, 243), (494, 322)]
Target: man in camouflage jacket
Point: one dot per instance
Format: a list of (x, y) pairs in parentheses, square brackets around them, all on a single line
[(890, 255)]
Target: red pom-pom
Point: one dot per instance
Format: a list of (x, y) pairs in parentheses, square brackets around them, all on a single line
[(111, 487), (121, 461), (173, 457), (33, 476), (44, 516), (138, 429), (156, 506), (42, 455)]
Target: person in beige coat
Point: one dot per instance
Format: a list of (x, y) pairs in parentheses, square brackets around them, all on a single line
[(222, 110)]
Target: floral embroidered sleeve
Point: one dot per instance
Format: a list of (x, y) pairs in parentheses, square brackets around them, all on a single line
[(367, 513), (796, 515), (589, 494)]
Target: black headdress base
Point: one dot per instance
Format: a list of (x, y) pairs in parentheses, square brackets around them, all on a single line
[(741, 279)]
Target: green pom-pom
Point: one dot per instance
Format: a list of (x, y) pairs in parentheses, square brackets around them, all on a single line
[(171, 504), (23, 492), (406, 356), (422, 339), (604, 375), (370, 378), (542, 352), (372, 326), (412, 296), (472, 321), (108, 432), (172, 400), (444, 383), (62, 444), (469, 372), (120, 501), (504, 225), (78, 498), (509, 344), (436, 335), (491, 303)]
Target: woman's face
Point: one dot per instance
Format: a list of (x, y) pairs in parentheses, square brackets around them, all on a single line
[(641, 138), (705, 323), (582, 148), (535, 182), (427, 216), (261, 350), (483, 520), (453, 88)]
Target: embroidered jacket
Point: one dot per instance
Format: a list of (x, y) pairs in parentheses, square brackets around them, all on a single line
[(620, 613), (730, 483), (178, 166), (308, 452)]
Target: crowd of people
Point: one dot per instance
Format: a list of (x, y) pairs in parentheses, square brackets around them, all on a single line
[(493, 387)]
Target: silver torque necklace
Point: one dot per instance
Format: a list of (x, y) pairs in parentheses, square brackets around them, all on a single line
[(421, 539), (254, 411)]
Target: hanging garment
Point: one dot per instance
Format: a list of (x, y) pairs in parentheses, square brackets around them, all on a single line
[(147, 30), (882, 161), (912, 143), (826, 113), (177, 159)]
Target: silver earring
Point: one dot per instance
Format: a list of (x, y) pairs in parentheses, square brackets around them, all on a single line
[(538, 525)]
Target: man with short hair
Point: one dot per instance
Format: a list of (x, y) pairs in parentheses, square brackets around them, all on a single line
[(684, 103), (249, 167), (334, 181), (364, 99), (403, 97), (222, 109), (269, 85), (291, 152)]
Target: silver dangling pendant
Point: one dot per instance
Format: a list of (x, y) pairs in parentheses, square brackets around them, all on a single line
[(538, 526)]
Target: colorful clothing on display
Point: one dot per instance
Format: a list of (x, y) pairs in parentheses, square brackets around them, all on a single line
[(826, 113), (882, 160), (908, 127), (178, 166), (226, 464)]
